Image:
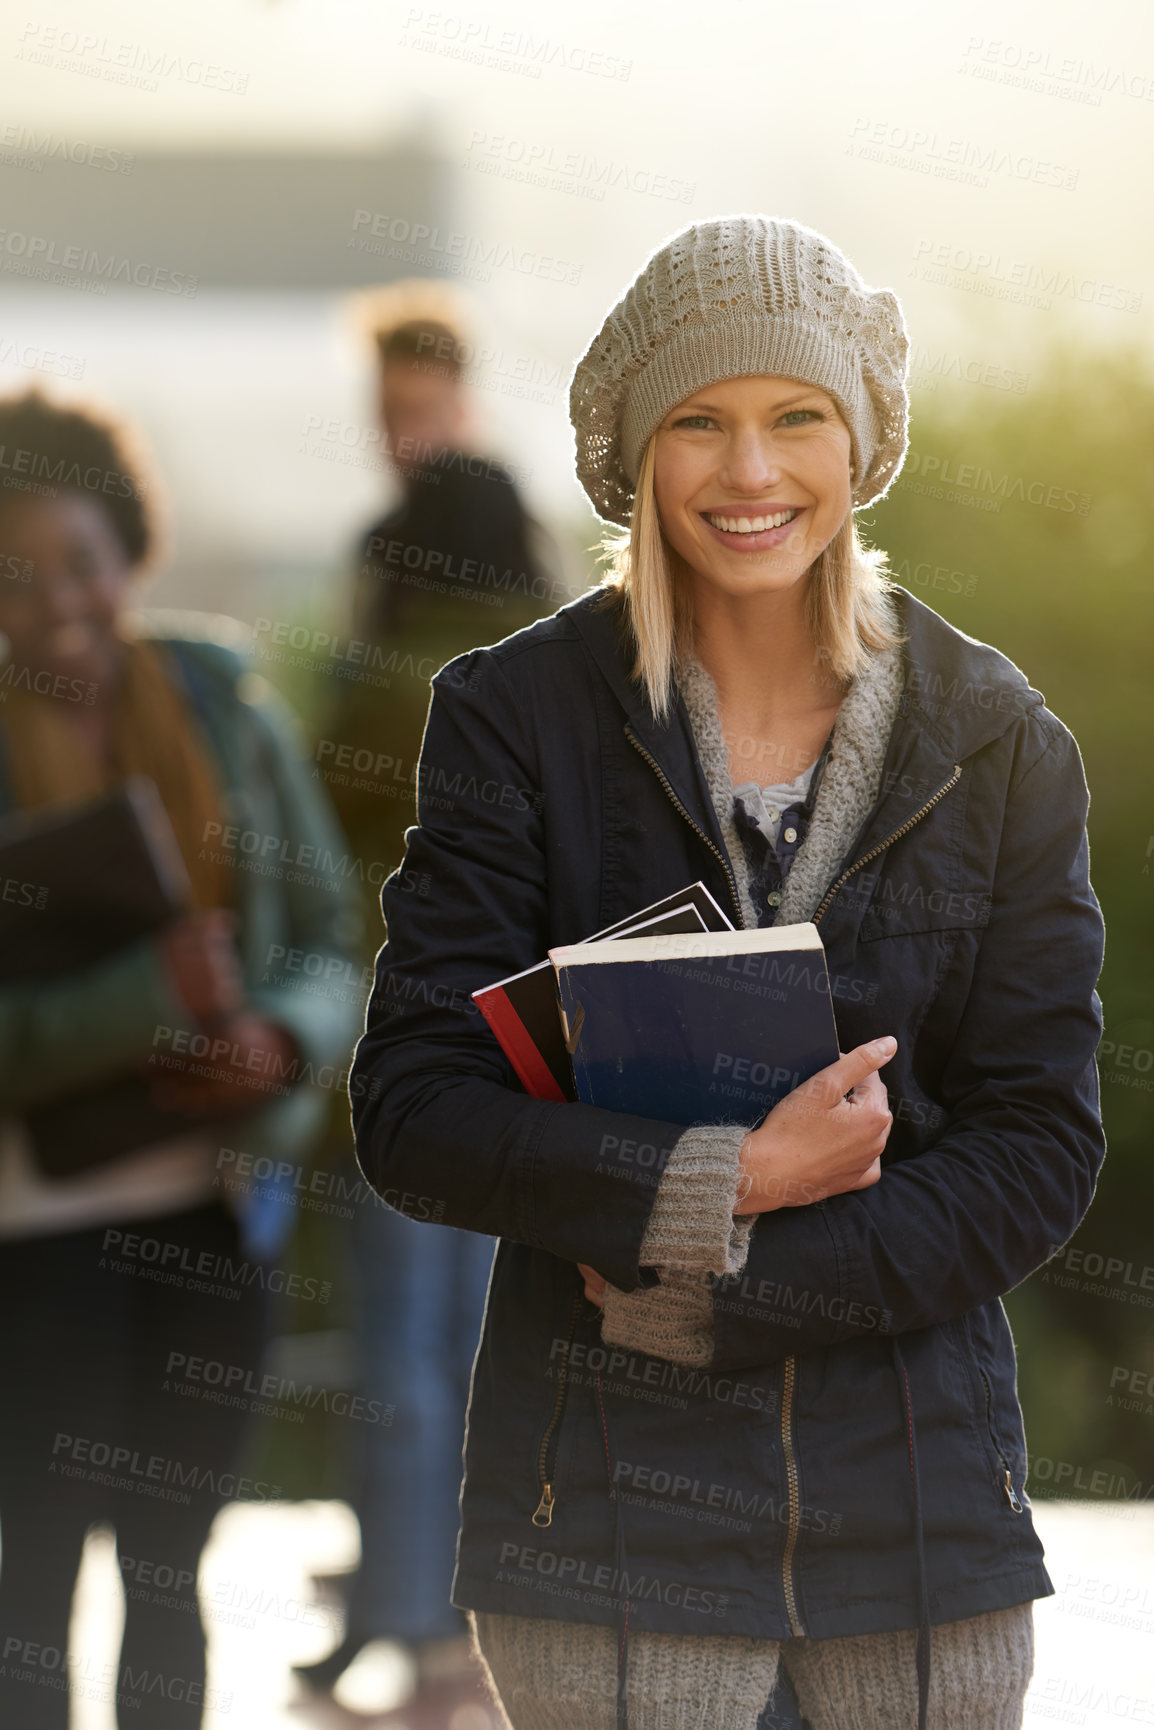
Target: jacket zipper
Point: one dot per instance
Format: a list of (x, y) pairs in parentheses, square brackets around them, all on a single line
[(543, 1514), (789, 1367), (1007, 1480), (889, 840), (794, 1498), (663, 778)]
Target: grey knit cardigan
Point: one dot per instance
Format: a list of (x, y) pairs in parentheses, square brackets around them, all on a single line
[(692, 1232)]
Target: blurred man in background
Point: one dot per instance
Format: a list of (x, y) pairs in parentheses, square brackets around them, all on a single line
[(458, 562)]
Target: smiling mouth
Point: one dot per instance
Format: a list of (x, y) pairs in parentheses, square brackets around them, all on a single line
[(743, 525)]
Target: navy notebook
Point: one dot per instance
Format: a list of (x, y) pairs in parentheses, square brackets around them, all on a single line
[(522, 1010), (711, 1027)]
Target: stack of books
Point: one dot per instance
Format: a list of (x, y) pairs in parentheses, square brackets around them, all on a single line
[(671, 1014)]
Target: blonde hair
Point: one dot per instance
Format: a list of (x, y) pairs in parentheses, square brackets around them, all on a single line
[(848, 610)]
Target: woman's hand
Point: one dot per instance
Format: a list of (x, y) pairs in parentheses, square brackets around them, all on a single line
[(199, 954), (594, 1283), (250, 1060), (817, 1141)]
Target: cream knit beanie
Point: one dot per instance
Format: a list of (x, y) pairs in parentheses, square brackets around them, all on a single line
[(732, 296)]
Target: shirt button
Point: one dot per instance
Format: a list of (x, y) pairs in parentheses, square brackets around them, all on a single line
[(791, 834), (773, 899), (774, 813)]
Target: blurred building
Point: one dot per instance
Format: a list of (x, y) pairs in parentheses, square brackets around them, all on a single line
[(205, 294)]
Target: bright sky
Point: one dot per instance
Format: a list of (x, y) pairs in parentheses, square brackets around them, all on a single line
[(990, 163), (743, 106)]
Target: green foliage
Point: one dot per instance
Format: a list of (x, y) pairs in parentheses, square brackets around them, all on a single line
[(1025, 520)]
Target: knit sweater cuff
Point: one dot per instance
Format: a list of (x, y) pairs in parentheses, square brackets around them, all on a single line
[(691, 1225), (691, 1235), (673, 1320)]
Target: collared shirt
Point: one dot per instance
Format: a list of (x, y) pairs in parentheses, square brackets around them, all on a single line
[(772, 822)]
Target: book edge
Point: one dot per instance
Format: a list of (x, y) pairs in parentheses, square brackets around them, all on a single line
[(689, 946)]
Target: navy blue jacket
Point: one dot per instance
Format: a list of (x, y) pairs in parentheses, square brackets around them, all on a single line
[(776, 1491)]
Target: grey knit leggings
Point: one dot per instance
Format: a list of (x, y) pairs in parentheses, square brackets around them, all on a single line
[(562, 1676)]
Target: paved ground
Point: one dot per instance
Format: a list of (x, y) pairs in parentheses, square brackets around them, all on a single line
[(1095, 1638)]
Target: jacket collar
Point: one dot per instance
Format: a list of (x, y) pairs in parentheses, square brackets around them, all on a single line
[(599, 617), (959, 689), (961, 692), (958, 695)]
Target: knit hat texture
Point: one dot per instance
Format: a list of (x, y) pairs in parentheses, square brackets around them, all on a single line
[(726, 298)]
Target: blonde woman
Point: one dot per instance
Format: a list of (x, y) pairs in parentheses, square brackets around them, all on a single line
[(745, 1403)]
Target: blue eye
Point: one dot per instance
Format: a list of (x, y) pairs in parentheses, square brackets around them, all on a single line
[(806, 413), (687, 420)]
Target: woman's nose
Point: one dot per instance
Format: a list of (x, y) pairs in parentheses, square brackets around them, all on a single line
[(751, 464)]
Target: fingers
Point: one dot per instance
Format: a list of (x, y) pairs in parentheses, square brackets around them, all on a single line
[(214, 921), (874, 1118), (205, 925), (870, 1093), (853, 1066), (871, 1175)]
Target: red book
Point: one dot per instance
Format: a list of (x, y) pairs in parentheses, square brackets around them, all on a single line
[(523, 1011)]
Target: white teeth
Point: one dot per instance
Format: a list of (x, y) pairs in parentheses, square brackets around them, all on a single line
[(750, 525)]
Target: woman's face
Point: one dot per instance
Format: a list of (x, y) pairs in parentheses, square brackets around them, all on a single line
[(752, 481), (63, 618)]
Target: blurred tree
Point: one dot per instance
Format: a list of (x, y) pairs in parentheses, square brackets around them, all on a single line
[(1026, 521)]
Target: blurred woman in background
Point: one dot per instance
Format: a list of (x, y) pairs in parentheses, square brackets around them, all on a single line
[(90, 695)]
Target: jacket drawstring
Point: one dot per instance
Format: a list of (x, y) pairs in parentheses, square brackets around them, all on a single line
[(924, 1637), (622, 1581), (923, 1647)]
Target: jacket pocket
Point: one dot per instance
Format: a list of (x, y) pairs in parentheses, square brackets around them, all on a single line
[(987, 1418), (922, 885), (922, 910), (882, 922), (549, 1442)]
